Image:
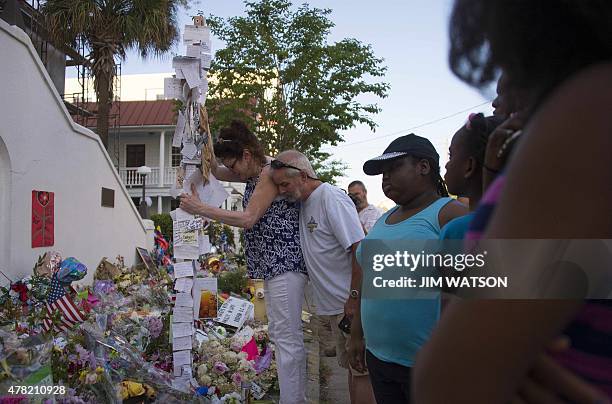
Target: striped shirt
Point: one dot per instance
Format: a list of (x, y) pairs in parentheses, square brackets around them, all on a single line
[(590, 332)]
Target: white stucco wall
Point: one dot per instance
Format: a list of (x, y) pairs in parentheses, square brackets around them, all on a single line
[(47, 151)]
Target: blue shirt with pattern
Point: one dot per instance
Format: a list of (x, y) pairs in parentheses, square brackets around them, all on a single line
[(273, 243)]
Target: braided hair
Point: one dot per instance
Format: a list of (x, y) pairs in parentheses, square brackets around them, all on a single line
[(435, 175), (478, 129)]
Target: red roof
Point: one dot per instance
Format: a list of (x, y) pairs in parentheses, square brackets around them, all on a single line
[(132, 113)]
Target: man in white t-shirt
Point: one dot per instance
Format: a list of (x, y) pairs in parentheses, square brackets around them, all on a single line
[(330, 231), (368, 213)]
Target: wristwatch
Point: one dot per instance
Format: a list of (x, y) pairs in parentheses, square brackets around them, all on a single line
[(355, 293)]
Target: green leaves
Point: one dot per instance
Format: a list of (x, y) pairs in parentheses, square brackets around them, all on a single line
[(279, 73)]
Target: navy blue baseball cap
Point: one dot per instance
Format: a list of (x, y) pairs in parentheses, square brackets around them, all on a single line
[(407, 145)]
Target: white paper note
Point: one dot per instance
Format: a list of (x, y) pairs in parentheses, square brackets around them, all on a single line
[(204, 84), (183, 269), (182, 236), (182, 330), (189, 151), (206, 59), (192, 74), (173, 87), (181, 358), (206, 46), (194, 51), (213, 193), (178, 131), (183, 285), (184, 300), (195, 34), (181, 343), (182, 315), (204, 243)]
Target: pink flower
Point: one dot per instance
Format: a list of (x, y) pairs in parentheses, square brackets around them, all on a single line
[(92, 300), (237, 379)]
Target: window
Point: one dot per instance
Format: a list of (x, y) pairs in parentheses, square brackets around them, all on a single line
[(134, 155), (174, 203), (176, 156)]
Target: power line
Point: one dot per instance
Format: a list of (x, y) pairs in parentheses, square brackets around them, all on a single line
[(415, 127)]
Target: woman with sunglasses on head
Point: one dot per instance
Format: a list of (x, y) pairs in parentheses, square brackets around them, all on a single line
[(272, 247), (560, 53)]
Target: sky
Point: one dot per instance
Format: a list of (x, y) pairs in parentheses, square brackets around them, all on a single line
[(412, 37)]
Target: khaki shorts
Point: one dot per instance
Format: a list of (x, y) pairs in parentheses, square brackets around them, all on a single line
[(342, 343)]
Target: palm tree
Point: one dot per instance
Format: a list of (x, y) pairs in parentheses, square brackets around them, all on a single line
[(109, 28)]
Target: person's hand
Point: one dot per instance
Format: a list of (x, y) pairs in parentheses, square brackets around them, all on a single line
[(350, 307), (191, 203), (496, 153), (549, 382), (356, 353)]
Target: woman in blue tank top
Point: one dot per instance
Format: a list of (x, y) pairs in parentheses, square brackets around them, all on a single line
[(394, 329)]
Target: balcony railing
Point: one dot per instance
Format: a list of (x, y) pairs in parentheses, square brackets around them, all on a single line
[(131, 178)]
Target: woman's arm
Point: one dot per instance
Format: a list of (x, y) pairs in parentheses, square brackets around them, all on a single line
[(557, 187), (221, 172), (262, 198)]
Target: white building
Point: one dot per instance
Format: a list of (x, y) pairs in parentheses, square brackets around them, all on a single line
[(142, 135), (41, 148), (142, 126)]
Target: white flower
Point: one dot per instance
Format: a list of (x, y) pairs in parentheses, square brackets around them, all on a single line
[(230, 357), (202, 370), (242, 356), (245, 365), (204, 380)]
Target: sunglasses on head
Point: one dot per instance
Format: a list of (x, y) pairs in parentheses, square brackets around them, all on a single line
[(277, 164)]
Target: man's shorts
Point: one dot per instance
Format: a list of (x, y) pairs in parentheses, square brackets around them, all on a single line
[(342, 343)]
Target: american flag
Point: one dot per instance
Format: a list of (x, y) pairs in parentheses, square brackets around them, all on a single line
[(58, 299)]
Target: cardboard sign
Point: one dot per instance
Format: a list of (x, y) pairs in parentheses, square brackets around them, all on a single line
[(234, 312)]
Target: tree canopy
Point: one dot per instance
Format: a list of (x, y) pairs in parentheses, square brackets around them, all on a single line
[(279, 73)]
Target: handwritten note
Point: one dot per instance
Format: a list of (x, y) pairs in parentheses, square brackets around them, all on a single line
[(181, 343), (182, 314), (180, 231), (183, 285), (183, 269), (194, 34), (178, 130), (173, 87), (182, 330), (206, 60), (181, 358), (183, 299)]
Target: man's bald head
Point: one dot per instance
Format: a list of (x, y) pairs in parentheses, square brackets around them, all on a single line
[(298, 160), (296, 183)]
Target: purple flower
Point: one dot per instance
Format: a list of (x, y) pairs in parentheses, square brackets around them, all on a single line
[(237, 379), (82, 354), (220, 368), (103, 287), (155, 326)]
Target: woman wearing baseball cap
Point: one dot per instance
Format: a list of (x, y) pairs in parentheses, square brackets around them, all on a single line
[(395, 329)]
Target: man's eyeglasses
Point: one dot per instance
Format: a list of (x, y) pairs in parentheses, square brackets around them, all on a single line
[(277, 164)]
